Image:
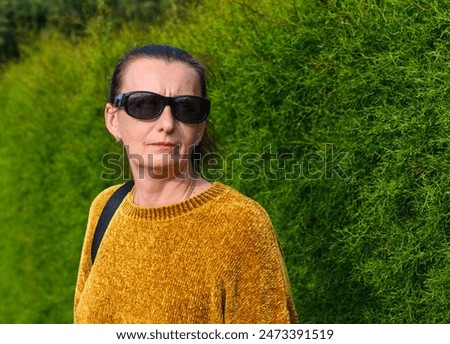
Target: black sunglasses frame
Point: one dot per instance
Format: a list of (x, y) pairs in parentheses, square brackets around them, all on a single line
[(121, 101)]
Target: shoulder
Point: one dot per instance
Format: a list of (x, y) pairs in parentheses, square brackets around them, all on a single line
[(249, 217), (103, 197), (98, 204), (96, 209), (233, 200), (249, 239)]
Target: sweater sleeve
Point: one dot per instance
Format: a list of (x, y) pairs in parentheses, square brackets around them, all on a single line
[(258, 288), (85, 259)]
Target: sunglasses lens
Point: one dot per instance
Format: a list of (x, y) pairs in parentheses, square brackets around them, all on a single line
[(148, 105), (190, 109), (144, 105)]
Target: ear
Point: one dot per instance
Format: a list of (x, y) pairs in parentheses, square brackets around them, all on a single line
[(112, 120)]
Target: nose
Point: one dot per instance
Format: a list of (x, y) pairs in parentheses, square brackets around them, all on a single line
[(166, 121)]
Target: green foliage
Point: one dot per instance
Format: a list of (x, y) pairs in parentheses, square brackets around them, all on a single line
[(22, 20), (332, 114)]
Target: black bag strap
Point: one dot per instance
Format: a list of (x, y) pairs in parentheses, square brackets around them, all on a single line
[(107, 213)]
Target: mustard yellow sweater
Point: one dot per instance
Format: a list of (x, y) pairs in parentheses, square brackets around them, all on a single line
[(214, 258)]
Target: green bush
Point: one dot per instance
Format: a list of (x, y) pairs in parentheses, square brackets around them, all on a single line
[(332, 114), (23, 20)]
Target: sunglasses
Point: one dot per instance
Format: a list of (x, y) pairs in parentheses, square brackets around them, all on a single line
[(148, 105)]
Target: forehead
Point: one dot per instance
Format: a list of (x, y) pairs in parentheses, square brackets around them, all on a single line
[(160, 76)]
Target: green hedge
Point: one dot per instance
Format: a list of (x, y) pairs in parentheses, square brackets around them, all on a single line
[(332, 114), (22, 20)]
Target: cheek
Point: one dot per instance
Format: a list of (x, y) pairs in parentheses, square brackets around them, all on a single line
[(191, 134), (130, 129)]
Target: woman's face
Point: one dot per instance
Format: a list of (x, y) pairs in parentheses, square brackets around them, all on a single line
[(160, 147)]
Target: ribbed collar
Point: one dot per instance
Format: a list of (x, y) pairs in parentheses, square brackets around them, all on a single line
[(130, 209)]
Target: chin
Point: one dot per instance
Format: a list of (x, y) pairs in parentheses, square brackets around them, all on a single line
[(162, 171)]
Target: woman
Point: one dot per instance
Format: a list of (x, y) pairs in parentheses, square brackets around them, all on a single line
[(179, 249)]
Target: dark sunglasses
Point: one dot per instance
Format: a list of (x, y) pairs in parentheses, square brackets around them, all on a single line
[(148, 105)]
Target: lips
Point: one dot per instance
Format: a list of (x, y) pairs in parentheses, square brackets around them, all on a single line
[(164, 145)]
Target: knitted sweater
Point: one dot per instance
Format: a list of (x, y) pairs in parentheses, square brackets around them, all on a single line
[(214, 258)]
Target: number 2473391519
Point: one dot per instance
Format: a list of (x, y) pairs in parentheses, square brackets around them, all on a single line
[(295, 334)]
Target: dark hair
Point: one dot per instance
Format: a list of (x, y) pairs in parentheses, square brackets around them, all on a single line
[(169, 54)]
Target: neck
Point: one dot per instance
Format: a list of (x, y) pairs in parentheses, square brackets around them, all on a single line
[(153, 192)]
